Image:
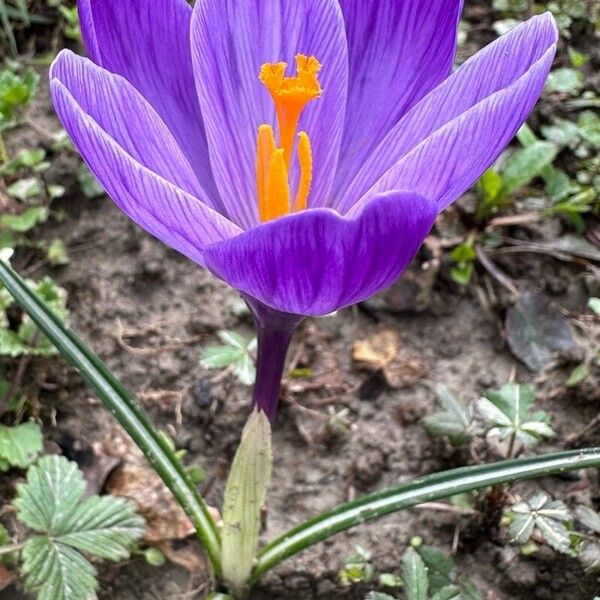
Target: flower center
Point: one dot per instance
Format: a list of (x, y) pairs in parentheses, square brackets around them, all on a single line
[(273, 161)]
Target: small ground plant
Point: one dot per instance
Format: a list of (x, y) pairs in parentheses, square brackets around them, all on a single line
[(64, 528)]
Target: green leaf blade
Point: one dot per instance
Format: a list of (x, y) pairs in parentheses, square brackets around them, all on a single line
[(56, 571)]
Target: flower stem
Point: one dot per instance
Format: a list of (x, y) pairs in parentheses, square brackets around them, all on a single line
[(275, 330)]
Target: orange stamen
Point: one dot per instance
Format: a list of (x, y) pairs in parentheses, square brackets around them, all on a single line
[(265, 146), (306, 171), (273, 163), (291, 95), (277, 189)]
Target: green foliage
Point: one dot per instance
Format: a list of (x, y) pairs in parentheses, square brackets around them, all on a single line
[(26, 221), (88, 183), (51, 504), (550, 517), (26, 338), (565, 80), (463, 257), (426, 573), (16, 90), (236, 354), (19, 445), (454, 420), (508, 412), (502, 413), (154, 557), (357, 567), (522, 166)]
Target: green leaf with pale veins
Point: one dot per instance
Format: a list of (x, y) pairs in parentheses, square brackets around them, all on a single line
[(55, 571), (50, 502), (414, 575), (20, 445)]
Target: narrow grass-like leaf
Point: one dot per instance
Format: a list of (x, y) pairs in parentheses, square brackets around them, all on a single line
[(417, 491)]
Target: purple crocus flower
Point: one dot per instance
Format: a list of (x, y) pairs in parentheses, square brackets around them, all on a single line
[(307, 192)]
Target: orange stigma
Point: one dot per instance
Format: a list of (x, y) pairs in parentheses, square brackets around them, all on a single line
[(290, 95)]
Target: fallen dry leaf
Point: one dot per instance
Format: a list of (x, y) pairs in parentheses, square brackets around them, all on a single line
[(135, 479), (186, 554), (381, 352), (6, 577)]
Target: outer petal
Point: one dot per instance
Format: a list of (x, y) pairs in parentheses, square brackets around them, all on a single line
[(120, 110), (230, 42), (483, 103), (398, 52), (165, 210), (147, 42), (316, 261)]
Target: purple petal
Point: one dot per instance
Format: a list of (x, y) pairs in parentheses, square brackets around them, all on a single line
[(398, 52), (449, 138), (316, 261), (147, 42), (230, 42), (120, 110), (165, 210)]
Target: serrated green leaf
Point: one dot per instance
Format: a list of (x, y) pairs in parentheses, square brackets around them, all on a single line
[(590, 557), (232, 338), (214, 357), (491, 413), (56, 571), (245, 370), (555, 533), (588, 517), (50, 495), (103, 526), (414, 575), (537, 429), (20, 445), (521, 527), (450, 403), (443, 423), (555, 509), (513, 399)]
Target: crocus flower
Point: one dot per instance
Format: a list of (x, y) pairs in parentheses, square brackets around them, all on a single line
[(298, 149)]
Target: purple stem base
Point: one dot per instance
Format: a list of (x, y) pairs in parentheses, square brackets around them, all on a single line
[(274, 332)]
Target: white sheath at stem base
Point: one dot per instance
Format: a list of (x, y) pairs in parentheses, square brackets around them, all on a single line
[(245, 496)]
